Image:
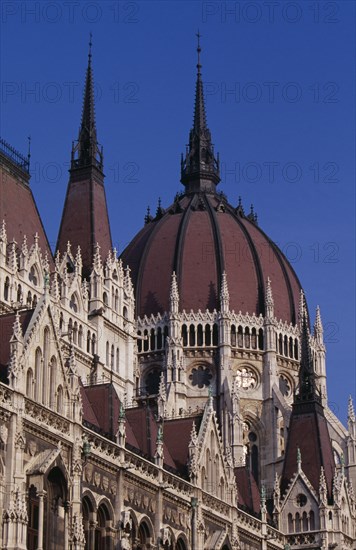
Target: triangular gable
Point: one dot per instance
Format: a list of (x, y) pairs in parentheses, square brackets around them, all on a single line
[(209, 444), (298, 484)]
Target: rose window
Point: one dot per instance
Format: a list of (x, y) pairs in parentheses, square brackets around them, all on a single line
[(200, 376), (246, 379), (285, 386)]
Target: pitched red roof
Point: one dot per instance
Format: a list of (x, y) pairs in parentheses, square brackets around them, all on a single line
[(7, 321), (308, 431), (177, 437), (18, 207), (248, 492)]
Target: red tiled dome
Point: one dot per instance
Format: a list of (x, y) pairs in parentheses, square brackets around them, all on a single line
[(199, 237)]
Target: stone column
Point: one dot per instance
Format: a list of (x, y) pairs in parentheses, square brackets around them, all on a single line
[(41, 496)]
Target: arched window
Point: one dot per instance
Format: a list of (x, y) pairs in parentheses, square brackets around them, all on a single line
[(88, 341), (260, 339), (285, 346), (61, 321), (247, 337), (56, 512), (181, 544), (207, 335), (29, 383), (87, 523), (80, 336), (6, 289), (305, 522), (280, 344), (290, 523), (200, 335), (165, 335), (215, 335), (107, 354), (159, 338), (38, 373), (116, 304), (222, 489), (184, 335), (93, 344), (29, 299), (233, 336), (125, 313), (312, 521), (112, 357), (296, 349), (143, 535), (52, 380), (253, 339), (19, 294), (297, 522), (46, 351), (240, 341), (32, 528), (33, 275), (117, 360), (105, 299), (152, 340), (75, 333), (102, 537), (192, 335), (291, 348), (73, 303), (34, 301), (60, 400)]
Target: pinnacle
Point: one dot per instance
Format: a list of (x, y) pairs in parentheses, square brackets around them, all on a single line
[(269, 296)]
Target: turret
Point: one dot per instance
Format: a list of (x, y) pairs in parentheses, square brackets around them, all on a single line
[(85, 220)]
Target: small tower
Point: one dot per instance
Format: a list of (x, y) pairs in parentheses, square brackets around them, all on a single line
[(85, 220)]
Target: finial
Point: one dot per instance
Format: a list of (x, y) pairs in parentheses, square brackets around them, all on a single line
[(299, 459), (342, 464), (198, 35), (351, 410), (263, 495), (240, 202), (160, 434), (90, 46)]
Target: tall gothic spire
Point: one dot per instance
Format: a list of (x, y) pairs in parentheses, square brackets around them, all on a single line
[(85, 220), (307, 386), (86, 151), (200, 168)]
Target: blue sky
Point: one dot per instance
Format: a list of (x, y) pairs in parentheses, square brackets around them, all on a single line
[(280, 93)]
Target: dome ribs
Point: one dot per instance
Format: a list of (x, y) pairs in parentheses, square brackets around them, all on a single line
[(282, 262), (199, 241), (219, 252), (178, 251), (259, 272), (141, 309)]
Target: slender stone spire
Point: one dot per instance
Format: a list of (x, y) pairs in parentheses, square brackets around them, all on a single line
[(307, 386), (200, 168), (269, 302), (86, 152), (318, 326)]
